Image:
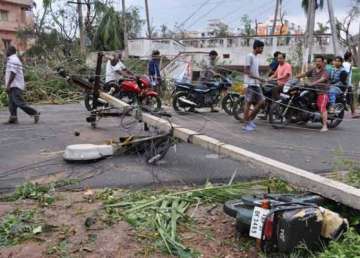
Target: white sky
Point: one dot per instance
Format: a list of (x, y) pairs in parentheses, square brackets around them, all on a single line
[(230, 11)]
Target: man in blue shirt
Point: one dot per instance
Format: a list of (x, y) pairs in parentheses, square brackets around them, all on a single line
[(274, 63), (154, 70), (335, 81)]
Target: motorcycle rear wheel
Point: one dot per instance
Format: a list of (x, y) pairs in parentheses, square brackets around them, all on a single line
[(152, 103), (338, 116), (88, 101), (181, 107), (238, 109), (276, 118)]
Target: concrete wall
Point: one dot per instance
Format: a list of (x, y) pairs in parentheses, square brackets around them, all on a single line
[(143, 47), (232, 51)]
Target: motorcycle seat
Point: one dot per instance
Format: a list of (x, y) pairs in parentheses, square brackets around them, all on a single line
[(201, 88), (184, 84)]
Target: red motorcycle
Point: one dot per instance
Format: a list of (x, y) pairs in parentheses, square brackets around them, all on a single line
[(131, 90)]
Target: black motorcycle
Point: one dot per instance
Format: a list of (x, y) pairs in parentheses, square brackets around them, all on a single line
[(187, 96), (238, 108), (297, 105)]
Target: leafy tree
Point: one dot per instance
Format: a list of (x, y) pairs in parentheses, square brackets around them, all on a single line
[(322, 28), (247, 29), (109, 33), (221, 30)]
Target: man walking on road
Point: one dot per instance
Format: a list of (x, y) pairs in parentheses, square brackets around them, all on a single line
[(253, 95), (15, 85)]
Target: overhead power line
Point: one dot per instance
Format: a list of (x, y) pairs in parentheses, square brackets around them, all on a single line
[(194, 13), (204, 15)]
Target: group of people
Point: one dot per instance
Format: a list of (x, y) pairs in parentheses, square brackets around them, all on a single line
[(329, 77), (328, 81)]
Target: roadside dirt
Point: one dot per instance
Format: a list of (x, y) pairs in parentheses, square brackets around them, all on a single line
[(77, 227)]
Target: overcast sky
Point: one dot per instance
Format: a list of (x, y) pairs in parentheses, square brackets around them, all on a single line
[(170, 12)]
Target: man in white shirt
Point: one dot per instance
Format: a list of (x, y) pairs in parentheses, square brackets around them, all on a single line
[(350, 97), (15, 85), (253, 95), (116, 70)]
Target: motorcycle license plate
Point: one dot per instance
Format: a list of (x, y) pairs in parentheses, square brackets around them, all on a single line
[(257, 222)]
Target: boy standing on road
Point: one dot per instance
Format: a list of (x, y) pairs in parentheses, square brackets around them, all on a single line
[(253, 95), (348, 68), (319, 79), (15, 85)]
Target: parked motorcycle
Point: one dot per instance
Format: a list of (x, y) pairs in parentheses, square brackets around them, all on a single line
[(298, 105), (132, 91), (238, 108), (187, 97)]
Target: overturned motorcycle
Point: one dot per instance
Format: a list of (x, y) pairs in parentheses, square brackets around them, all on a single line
[(297, 105), (282, 222)]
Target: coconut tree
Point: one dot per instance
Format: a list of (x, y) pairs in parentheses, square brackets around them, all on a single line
[(109, 34), (318, 4)]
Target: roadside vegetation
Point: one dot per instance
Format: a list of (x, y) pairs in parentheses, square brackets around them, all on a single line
[(166, 222)]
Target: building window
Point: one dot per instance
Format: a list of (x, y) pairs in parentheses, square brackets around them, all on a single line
[(23, 15), (6, 42), (226, 56), (4, 15)]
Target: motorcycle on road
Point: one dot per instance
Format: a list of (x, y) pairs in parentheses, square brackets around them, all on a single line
[(132, 91), (187, 97), (297, 105)]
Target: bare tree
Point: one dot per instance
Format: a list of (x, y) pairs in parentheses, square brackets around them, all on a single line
[(344, 34)]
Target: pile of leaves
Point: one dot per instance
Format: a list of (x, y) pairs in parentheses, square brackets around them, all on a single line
[(160, 213), (17, 227)]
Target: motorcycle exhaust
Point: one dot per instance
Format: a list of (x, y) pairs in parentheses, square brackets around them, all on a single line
[(186, 101)]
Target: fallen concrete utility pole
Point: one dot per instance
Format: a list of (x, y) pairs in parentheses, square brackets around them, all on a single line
[(328, 188)]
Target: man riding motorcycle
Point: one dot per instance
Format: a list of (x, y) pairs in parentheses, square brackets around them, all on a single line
[(319, 80), (208, 71), (282, 74)]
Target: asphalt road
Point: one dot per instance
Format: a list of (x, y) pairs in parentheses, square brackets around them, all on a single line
[(29, 151), (301, 146)]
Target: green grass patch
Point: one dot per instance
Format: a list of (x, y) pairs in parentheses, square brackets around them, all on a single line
[(17, 227)]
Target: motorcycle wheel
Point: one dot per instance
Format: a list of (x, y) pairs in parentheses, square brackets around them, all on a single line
[(88, 101), (335, 119), (152, 103), (229, 101), (181, 107), (276, 118), (238, 109)]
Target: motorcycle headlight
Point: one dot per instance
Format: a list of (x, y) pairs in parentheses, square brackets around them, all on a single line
[(286, 88)]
